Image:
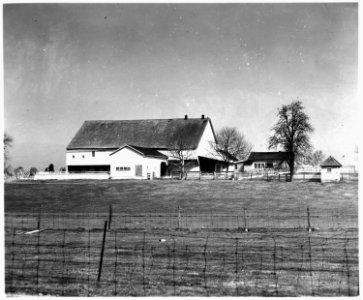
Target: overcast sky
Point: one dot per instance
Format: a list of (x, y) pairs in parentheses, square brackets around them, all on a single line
[(235, 63)]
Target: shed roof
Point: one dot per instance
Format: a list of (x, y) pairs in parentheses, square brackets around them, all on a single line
[(267, 156), (331, 162), (226, 155), (151, 133), (147, 152)]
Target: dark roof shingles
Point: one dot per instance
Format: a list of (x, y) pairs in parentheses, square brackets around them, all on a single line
[(158, 133), (226, 155), (264, 156), (149, 152), (330, 162)]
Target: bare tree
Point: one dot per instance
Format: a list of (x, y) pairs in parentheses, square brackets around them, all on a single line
[(291, 133), (316, 158), (8, 142), (230, 141), (19, 172), (180, 152)]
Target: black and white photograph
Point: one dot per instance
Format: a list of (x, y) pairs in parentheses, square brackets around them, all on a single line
[(180, 149)]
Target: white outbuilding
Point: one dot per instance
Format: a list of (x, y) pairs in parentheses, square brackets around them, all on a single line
[(330, 170)]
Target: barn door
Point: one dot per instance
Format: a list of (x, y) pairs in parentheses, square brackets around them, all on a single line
[(138, 170)]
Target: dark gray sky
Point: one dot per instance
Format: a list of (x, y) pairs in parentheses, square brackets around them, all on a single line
[(235, 63)]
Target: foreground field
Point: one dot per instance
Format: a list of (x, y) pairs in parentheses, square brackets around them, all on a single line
[(229, 238)]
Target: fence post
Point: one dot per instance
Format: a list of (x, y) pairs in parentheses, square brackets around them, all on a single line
[(347, 266), (245, 219), (251, 177), (179, 219), (200, 175), (102, 251), (110, 217), (143, 266), (279, 176), (38, 261), (89, 261), (205, 267), (309, 226), (39, 217), (12, 262), (214, 175), (236, 271)]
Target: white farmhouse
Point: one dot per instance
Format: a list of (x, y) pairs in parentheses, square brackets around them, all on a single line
[(260, 161), (143, 148), (330, 170)]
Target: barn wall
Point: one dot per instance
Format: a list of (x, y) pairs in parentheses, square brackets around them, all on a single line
[(84, 158), (204, 148)]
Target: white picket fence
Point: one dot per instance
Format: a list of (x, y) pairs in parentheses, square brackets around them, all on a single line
[(67, 176)]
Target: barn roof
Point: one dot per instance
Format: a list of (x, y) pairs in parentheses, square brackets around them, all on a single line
[(331, 162), (264, 156), (226, 155), (151, 133)]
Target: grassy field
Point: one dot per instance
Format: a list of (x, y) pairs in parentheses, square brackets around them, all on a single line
[(135, 197), (210, 254)]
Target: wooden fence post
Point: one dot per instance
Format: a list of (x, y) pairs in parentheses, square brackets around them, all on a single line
[(39, 217), (110, 217), (309, 226), (245, 219), (179, 219), (102, 251)]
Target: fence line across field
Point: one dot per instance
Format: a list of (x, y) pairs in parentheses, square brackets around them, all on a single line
[(181, 219), (59, 263)]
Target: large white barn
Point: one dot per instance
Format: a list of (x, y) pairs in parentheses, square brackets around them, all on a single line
[(143, 148)]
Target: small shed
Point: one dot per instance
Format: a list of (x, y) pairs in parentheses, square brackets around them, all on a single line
[(330, 170)]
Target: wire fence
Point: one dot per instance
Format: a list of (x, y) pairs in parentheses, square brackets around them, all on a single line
[(255, 220), (182, 254)]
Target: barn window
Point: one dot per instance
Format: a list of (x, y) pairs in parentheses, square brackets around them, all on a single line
[(93, 153), (72, 156), (123, 168), (82, 156), (329, 170)]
